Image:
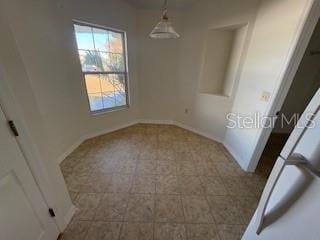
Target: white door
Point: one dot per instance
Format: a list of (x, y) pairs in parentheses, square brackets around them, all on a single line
[(23, 212)]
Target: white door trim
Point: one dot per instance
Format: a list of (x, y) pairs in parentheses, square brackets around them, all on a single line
[(304, 32), (27, 147)]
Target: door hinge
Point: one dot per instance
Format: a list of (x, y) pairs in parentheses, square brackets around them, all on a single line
[(13, 128), (51, 212)]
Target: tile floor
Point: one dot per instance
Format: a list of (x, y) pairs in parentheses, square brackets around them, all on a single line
[(158, 182)]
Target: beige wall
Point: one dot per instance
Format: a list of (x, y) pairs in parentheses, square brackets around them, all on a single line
[(275, 32), (18, 80), (157, 70), (48, 49), (113, 14), (38, 53), (218, 48), (206, 112), (40, 58)]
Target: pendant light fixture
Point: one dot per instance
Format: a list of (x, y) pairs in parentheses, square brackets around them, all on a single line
[(164, 29)]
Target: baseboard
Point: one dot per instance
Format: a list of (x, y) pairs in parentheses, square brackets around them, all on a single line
[(165, 122), (236, 157), (178, 124), (69, 215), (109, 130), (72, 209), (191, 129), (91, 135), (70, 150), (143, 121)]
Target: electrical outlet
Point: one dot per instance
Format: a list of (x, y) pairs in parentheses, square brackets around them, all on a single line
[(265, 97)]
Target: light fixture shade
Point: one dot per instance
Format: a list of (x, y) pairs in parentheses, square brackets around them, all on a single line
[(164, 30)]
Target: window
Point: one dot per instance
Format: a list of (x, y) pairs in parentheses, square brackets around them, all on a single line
[(102, 55)]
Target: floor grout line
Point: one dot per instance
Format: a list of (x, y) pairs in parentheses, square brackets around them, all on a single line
[(153, 144)]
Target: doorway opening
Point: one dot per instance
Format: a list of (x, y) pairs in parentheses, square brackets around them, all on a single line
[(303, 88)]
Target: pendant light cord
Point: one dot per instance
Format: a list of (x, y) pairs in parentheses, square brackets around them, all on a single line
[(165, 10), (165, 5)]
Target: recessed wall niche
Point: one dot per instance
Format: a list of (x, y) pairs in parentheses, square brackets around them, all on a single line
[(223, 51)]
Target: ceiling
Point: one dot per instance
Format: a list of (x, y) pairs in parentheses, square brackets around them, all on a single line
[(157, 4)]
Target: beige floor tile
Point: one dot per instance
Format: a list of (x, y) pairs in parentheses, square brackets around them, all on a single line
[(229, 169), (202, 232), (96, 183), (191, 185), (169, 231), (83, 167), (209, 168), (86, 205), (246, 206), (168, 209), (112, 207), (124, 154), (66, 172), (120, 183), (237, 186), (180, 155), (255, 184), (76, 230), (69, 162), (140, 208), (219, 154), (196, 210), (137, 231), (185, 148), (104, 231), (148, 154), (183, 155), (166, 167), (231, 232), (167, 185), (112, 166), (129, 166), (166, 137), (140, 173), (225, 210), (75, 181), (189, 168), (73, 196), (165, 153), (144, 184), (67, 166), (213, 185), (146, 167)]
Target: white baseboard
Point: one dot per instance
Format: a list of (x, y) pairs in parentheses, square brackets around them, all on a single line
[(91, 135), (69, 215), (191, 129), (178, 124), (69, 150), (165, 122), (143, 121), (109, 130), (236, 157)]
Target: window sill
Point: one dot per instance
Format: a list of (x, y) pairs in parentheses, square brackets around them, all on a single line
[(110, 110)]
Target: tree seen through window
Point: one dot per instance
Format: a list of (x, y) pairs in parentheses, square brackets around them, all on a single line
[(102, 57)]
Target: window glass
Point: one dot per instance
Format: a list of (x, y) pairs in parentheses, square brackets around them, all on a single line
[(84, 37), (102, 58)]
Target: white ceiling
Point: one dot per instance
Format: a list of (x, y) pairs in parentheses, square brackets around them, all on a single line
[(157, 4)]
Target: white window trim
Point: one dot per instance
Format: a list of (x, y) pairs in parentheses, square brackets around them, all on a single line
[(125, 73)]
